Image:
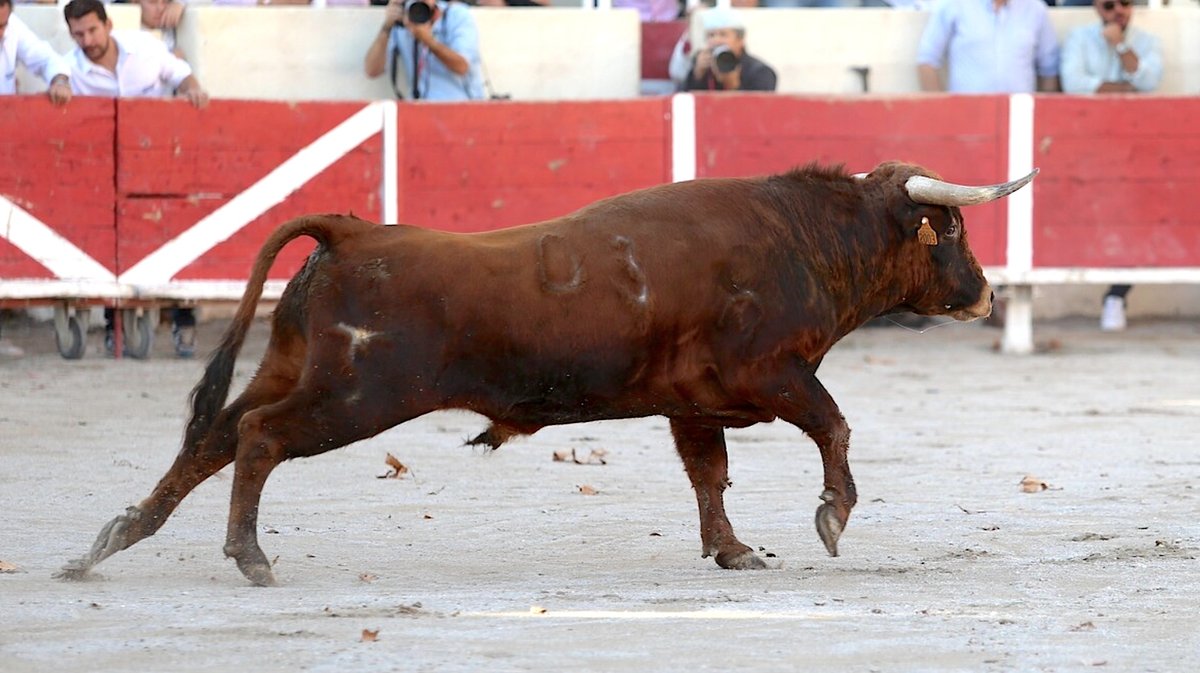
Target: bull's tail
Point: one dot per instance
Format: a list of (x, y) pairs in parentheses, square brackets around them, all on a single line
[(209, 395)]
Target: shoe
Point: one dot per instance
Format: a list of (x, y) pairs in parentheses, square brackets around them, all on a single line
[(9, 349), (1112, 316), (185, 341)]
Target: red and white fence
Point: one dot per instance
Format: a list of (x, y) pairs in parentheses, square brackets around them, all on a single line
[(127, 200)]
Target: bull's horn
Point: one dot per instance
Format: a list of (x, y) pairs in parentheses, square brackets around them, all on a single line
[(936, 192)]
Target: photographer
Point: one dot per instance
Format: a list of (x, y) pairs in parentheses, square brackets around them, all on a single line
[(723, 64), (437, 45)]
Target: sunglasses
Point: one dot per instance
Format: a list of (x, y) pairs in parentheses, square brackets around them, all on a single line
[(1110, 5)]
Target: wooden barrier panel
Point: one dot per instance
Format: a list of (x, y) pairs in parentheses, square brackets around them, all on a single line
[(57, 165), (177, 165), (964, 138), (1118, 183), (474, 167)]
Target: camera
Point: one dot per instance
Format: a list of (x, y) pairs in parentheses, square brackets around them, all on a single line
[(723, 58), (417, 11)]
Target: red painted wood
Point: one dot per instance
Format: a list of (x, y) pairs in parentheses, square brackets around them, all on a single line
[(962, 138), (476, 167), (178, 164), (1119, 179), (57, 164)]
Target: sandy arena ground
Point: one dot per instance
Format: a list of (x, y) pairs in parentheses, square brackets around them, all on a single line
[(947, 564)]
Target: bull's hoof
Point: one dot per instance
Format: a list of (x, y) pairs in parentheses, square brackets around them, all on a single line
[(742, 560), (112, 539), (829, 527), (77, 570), (253, 564), (259, 574)]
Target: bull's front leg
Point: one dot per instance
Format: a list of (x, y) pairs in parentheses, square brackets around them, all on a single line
[(806, 404), (702, 448)]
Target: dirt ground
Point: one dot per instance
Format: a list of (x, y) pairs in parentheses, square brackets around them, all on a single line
[(498, 562)]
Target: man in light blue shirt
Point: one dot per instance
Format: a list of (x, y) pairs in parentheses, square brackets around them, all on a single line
[(1111, 56), (436, 46), (989, 46)]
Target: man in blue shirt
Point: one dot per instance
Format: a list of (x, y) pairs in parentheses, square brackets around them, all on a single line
[(989, 46), (437, 46), (1111, 56)]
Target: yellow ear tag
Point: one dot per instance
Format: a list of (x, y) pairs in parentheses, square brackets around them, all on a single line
[(926, 234)]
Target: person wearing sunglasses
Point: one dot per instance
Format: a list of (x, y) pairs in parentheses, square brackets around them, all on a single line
[(1111, 55)]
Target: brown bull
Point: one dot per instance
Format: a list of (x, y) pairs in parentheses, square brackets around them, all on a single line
[(710, 302)]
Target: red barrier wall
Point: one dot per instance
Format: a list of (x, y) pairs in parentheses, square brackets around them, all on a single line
[(476, 167), (120, 179), (964, 138), (57, 164), (178, 164), (1120, 175)]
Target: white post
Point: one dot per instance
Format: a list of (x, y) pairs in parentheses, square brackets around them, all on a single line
[(1018, 320), (389, 192), (683, 137)]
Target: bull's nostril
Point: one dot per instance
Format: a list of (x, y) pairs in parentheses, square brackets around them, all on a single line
[(992, 297)]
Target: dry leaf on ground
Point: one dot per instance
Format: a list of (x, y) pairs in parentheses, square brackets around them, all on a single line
[(587, 490), (369, 636), (1031, 484), (367, 577), (537, 610), (398, 470), (6, 567), (596, 457)]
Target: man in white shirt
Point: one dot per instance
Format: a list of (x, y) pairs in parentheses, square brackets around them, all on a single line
[(18, 44), (121, 64)]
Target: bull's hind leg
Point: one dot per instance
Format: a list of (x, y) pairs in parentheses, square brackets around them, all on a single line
[(304, 424), (199, 459), (702, 448), (807, 405), (194, 464)]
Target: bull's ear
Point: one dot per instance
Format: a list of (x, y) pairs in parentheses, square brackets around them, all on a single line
[(926, 234)]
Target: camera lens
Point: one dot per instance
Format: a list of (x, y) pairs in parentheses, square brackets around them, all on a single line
[(418, 11), (724, 59)]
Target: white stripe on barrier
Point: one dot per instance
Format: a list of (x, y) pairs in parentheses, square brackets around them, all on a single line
[(683, 137), (1018, 322), (389, 192), (48, 247), (161, 265)]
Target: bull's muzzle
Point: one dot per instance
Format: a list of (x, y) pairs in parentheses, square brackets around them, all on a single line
[(980, 309)]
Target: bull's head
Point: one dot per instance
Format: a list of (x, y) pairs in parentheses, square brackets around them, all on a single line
[(948, 279)]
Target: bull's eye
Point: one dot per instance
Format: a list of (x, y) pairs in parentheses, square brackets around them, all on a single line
[(952, 230)]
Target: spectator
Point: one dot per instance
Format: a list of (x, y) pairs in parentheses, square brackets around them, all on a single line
[(435, 43), (1111, 56), (162, 17), (723, 64), (116, 63), (18, 45), (1004, 46), (112, 63)]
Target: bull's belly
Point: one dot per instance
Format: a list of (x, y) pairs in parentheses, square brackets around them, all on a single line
[(530, 415)]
